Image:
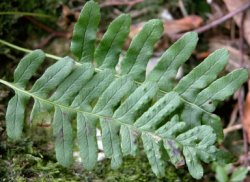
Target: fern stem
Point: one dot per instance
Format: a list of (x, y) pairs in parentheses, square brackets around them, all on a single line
[(26, 14), (75, 110), (44, 100), (96, 69), (26, 50)]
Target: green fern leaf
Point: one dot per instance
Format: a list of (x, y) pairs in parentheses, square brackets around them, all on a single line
[(201, 76), (108, 52), (128, 140), (15, 115), (152, 148), (198, 145), (84, 34), (16, 108), (220, 89), (167, 67), (28, 66), (140, 50), (173, 119), (111, 142), (62, 132), (86, 136)]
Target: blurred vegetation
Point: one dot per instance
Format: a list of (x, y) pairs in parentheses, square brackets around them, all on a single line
[(16, 26)]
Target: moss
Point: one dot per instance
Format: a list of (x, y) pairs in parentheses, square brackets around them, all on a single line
[(34, 160)]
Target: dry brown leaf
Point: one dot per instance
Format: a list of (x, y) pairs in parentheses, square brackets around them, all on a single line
[(231, 6), (134, 29), (202, 55), (246, 116), (182, 25), (173, 26)]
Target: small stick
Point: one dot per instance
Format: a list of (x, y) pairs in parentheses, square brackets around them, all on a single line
[(241, 95), (232, 128), (218, 21), (45, 41), (182, 8), (52, 34), (39, 24), (118, 3), (240, 103), (233, 116), (224, 18), (242, 60), (46, 28)]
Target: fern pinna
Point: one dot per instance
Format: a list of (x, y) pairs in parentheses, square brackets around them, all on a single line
[(173, 119)]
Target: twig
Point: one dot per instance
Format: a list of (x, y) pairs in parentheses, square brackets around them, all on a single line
[(241, 95), (52, 35), (242, 60), (45, 41), (182, 8), (232, 128), (218, 21), (241, 103), (46, 28), (118, 3), (135, 13), (224, 18), (39, 24), (26, 14), (233, 30), (233, 116)]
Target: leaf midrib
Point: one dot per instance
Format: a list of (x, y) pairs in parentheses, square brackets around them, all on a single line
[(96, 69), (84, 38), (112, 42), (14, 87), (143, 47), (164, 92)]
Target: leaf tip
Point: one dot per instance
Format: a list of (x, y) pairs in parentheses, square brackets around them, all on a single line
[(223, 51), (156, 22), (245, 73)]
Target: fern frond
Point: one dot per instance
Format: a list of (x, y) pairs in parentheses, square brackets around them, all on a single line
[(169, 116)]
